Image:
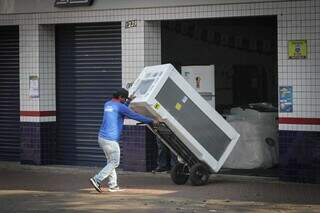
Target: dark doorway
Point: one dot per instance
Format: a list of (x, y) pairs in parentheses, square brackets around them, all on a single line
[(243, 51)]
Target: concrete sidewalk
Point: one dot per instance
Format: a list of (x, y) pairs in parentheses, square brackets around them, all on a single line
[(67, 189)]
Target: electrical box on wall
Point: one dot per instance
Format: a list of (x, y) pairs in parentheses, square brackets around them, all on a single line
[(201, 78)]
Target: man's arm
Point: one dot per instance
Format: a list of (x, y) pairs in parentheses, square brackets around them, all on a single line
[(135, 116)]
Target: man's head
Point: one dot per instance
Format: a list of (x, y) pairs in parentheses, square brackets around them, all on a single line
[(121, 94)]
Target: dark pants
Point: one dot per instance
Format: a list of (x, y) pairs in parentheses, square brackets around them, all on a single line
[(166, 159)]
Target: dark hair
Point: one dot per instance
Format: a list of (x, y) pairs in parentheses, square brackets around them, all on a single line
[(121, 93)]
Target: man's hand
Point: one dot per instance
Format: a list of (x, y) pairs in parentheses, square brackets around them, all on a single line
[(131, 97), (156, 122)]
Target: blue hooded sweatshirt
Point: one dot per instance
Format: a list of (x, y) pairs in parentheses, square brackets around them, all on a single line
[(113, 118)]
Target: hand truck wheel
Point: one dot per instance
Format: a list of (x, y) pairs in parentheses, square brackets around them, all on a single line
[(199, 174), (180, 174)]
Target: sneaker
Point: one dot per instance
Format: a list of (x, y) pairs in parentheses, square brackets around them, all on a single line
[(95, 185), (115, 189)]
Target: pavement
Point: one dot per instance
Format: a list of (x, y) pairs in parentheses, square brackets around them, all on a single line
[(25, 188)]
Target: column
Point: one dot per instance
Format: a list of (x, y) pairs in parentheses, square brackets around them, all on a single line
[(37, 93)]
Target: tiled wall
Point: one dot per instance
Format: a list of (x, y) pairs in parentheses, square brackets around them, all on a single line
[(299, 154), (141, 45), (132, 52), (47, 71), (29, 66), (300, 20), (139, 149), (37, 58), (38, 143)]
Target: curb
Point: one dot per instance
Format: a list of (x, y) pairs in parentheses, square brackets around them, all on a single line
[(67, 169)]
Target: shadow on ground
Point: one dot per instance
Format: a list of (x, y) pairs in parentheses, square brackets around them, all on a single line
[(27, 191)]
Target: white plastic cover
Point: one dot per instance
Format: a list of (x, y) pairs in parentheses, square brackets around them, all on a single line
[(253, 150)]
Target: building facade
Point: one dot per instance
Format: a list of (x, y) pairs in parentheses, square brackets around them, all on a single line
[(58, 65)]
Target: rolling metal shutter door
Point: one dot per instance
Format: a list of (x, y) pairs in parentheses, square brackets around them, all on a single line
[(88, 73), (9, 94)]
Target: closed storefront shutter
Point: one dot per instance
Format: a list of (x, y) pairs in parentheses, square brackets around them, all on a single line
[(88, 58), (9, 94)]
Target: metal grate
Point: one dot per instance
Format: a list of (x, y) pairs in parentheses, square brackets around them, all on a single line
[(9, 94), (88, 73)]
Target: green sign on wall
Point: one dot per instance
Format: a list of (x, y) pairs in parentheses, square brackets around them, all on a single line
[(297, 49)]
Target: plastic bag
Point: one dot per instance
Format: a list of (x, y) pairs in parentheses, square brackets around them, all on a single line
[(258, 145)]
